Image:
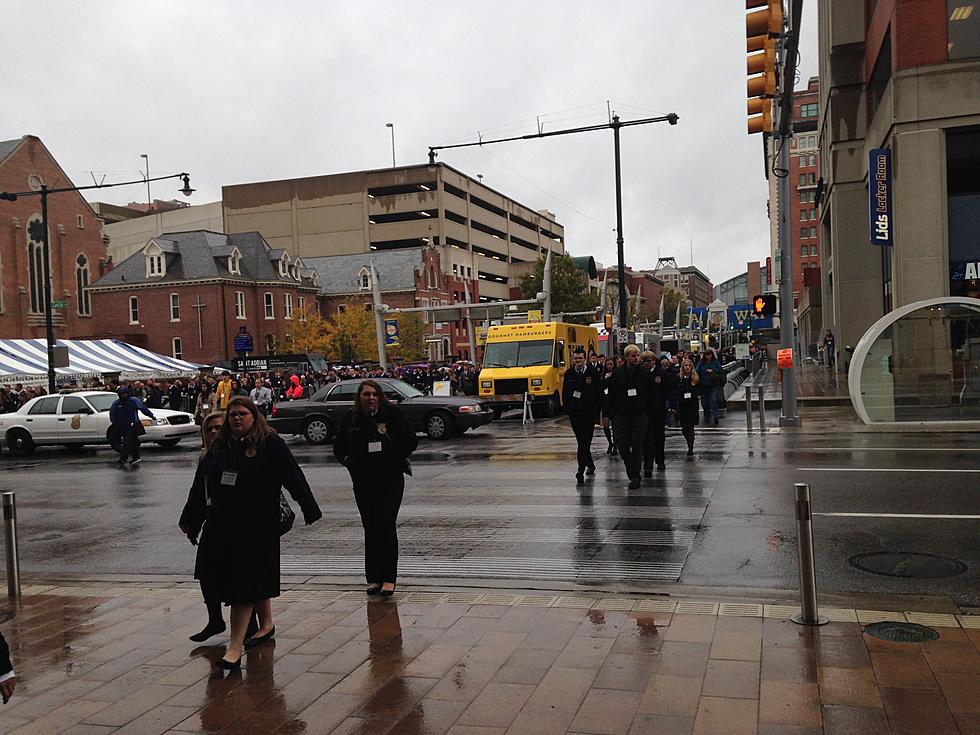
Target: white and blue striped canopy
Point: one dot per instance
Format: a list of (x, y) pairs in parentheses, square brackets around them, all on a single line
[(24, 358)]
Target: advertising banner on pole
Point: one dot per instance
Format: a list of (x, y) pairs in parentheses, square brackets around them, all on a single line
[(391, 332), (880, 196)]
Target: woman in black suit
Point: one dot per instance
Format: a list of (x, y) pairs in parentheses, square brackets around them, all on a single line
[(374, 443), (688, 395), (242, 475)]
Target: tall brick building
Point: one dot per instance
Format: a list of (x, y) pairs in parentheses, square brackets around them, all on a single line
[(188, 294), (77, 250), (408, 278), (804, 172)]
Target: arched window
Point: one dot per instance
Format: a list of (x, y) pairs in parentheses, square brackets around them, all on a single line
[(81, 285), (365, 280), (35, 267)]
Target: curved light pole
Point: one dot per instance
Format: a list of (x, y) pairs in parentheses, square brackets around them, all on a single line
[(391, 126)]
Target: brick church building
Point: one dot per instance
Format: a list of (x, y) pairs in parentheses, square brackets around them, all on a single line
[(77, 249)]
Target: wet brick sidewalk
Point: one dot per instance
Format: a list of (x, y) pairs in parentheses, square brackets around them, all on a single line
[(100, 659)]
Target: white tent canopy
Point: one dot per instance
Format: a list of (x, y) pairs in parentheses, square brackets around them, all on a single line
[(26, 360)]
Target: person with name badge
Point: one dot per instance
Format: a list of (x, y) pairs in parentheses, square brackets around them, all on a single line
[(655, 437), (247, 466), (628, 403), (581, 397), (374, 443), (689, 398)]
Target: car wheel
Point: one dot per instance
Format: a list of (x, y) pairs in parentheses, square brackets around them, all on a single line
[(169, 443), (317, 430), (439, 425), (20, 443), (548, 407), (114, 439)]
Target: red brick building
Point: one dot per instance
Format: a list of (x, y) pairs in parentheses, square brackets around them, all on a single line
[(643, 284), (188, 295), (77, 250), (407, 277), (804, 173)]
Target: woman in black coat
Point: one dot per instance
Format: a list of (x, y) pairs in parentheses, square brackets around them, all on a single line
[(374, 442), (237, 487), (688, 398)]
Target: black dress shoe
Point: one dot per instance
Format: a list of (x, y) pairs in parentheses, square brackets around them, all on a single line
[(661, 467), (590, 470), (252, 642), (386, 593), (579, 476), (373, 589), (208, 631), (634, 484), (227, 665)]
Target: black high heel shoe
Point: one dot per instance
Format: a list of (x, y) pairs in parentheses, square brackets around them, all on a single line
[(208, 631), (387, 593), (252, 642), (227, 665)]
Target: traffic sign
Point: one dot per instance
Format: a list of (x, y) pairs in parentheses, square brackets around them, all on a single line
[(59, 304), (622, 335)]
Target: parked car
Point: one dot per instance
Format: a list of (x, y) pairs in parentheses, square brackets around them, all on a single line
[(317, 418), (81, 418)]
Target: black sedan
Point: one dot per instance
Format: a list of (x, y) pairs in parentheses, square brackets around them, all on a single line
[(318, 418)]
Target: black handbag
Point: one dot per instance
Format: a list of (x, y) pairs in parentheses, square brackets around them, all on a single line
[(287, 516)]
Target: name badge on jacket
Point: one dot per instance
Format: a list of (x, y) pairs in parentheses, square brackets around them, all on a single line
[(229, 478), (576, 394), (631, 392), (374, 447)]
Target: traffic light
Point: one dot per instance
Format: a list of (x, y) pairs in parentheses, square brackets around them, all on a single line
[(764, 305), (607, 321), (762, 28)]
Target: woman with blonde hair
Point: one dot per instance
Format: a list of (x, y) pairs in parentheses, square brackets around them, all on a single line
[(688, 392), (241, 477)]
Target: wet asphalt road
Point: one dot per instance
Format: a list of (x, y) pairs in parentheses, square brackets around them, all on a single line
[(500, 504)]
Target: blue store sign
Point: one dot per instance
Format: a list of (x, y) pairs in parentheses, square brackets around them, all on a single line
[(243, 341), (880, 216)]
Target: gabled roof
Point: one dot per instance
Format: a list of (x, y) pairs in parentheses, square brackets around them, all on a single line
[(200, 254), (339, 273), (9, 146)]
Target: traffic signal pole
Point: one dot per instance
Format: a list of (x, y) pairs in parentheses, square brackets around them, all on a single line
[(788, 47)]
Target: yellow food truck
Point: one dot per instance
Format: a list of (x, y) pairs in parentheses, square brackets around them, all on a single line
[(530, 358)]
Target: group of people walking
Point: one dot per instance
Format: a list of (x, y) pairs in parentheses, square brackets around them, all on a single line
[(635, 401), (235, 511)]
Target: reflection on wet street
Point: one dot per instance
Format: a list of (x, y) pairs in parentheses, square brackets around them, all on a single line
[(115, 659)]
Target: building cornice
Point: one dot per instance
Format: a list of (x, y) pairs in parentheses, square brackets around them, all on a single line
[(202, 282)]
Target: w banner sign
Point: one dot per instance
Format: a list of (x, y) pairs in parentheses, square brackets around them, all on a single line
[(880, 196), (391, 333)]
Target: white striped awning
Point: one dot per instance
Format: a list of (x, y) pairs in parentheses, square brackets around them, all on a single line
[(29, 357)]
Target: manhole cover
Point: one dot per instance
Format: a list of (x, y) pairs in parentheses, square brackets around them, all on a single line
[(901, 632), (908, 564)]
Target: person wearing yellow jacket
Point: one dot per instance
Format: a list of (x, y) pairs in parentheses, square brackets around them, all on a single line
[(223, 391)]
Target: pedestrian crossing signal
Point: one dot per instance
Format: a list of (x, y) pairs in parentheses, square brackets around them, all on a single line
[(764, 305)]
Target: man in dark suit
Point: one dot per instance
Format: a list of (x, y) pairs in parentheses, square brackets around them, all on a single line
[(8, 679), (581, 396), (628, 402), (653, 442)]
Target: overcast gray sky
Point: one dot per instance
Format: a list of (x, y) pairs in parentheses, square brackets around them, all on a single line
[(246, 91)]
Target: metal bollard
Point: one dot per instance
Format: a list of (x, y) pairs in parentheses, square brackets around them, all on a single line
[(10, 537), (748, 408), (762, 409), (809, 615)]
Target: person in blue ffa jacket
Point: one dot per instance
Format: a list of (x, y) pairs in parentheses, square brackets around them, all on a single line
[(124, 417), (582, 397), (654, 439), (374, 443), (628, 402)]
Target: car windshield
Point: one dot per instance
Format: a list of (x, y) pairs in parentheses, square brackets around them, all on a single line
[(518, 354), (102, 401), (406, 390)]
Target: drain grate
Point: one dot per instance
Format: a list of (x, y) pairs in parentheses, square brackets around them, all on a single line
[(901, 632), (908, 564)]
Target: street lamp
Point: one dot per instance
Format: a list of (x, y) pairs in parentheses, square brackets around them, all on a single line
[(42, 236), (391, 125), (149, 201)]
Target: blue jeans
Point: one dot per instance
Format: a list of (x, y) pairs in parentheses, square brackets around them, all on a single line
[(709, 402)]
